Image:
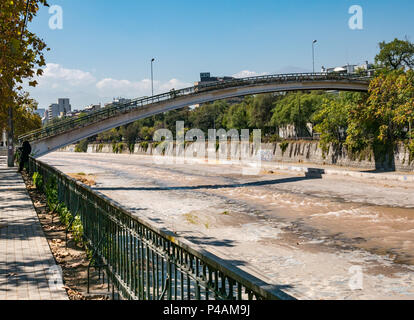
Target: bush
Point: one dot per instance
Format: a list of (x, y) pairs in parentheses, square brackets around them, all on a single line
[(118, 147), (38, 180), (115, 147), (410, 146), (65, 216), (52, 193), (144, 145), (82, 146), (283, 146)]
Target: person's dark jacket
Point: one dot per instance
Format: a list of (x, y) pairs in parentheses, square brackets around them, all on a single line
[(26, 151)]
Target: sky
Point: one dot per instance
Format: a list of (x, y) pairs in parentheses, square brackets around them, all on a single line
[(104, 48)]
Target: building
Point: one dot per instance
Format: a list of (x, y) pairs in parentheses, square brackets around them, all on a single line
[(350, 68), (92, 108), (45, 118), (59, 109), (206, 78), (40, 112), (117, 101)]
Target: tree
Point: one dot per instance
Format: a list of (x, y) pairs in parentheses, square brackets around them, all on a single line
[(21, 57), (398, 54), (384, 118), (332, 118), (296, 109), (260, 114), (27, 119), (208, 116), (237, 116)]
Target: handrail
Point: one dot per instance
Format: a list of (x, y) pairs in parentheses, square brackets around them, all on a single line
[(139, 257), (116, 109)]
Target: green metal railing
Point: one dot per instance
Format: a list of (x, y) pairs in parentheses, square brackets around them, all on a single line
[(144, 263), (115, 110)]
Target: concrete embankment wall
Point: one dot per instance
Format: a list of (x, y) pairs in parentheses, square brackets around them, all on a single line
[(296, 152)]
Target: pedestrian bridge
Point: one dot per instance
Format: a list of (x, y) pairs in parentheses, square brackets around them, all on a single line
[(54, 137)]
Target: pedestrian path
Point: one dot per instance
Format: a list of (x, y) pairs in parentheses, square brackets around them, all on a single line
[(27, 268)]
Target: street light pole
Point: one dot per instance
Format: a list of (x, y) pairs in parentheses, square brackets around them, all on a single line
[(152, 77), (313, 54)]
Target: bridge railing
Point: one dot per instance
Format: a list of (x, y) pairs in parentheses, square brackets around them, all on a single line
[(114, 110), (146, 263)]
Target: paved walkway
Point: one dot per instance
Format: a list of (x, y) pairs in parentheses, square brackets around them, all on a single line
[(27, 266)]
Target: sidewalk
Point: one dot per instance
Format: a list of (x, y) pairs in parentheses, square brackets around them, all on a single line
[(27, 266)]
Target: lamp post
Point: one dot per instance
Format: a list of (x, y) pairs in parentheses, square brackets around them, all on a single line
[(152, 77), (313, 54)]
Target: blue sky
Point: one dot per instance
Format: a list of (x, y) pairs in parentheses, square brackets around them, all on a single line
[(105, 47)]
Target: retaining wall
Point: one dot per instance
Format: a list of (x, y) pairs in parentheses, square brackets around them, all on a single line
[(296, 152)]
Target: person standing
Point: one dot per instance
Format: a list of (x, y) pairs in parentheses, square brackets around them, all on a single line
[(26, 150)]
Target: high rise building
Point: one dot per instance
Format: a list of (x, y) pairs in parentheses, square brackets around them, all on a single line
[(57, 109)]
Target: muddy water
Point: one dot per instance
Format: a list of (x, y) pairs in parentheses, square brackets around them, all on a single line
[(283, 228), (318, 211), (378, 229)]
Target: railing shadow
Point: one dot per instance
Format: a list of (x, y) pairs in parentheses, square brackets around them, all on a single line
[(314, 175)]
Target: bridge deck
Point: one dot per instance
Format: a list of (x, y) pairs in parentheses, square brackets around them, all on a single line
[(66, 132)]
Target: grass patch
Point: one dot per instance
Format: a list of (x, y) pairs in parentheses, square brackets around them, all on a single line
[(191, 218)]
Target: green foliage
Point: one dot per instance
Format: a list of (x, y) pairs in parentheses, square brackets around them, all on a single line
[(237, 117), (272, 138), (146, 133), (65, 216), (260, 112), (21, 59), (144, 145), (332, 118), (115, 147), (38, 180), (410, 146), (77, 230), (51, 192), (82, 146), (283, 146), (297, 109), (118, 147), (208, 116), (398, 54), (386, 114)]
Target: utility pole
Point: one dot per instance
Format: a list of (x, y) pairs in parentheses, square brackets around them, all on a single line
[(152, 76), (313, 54), (10, 138)]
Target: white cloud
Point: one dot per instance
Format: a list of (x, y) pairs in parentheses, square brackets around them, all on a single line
[(83, 88), (131, 89), (173, 84), (247, 73), (57, 74)]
